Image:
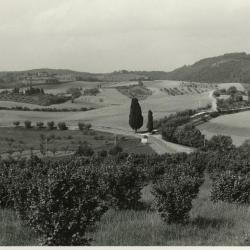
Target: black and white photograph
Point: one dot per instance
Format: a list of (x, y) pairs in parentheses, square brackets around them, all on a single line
[(124, 123)]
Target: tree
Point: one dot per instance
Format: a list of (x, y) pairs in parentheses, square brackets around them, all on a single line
[(16, 123), (62, 126), (150, 125), (27, 124), (40, 125), (220, 143), (51, 125), (135, 116)]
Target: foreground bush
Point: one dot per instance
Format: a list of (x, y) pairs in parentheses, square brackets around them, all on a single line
[(60, 200), (124, 184), (231, 187), (175, 191)]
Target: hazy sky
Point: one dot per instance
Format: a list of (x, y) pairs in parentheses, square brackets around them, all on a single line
[(107, 35)]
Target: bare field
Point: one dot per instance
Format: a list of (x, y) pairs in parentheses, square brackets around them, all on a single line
[(235, 125)]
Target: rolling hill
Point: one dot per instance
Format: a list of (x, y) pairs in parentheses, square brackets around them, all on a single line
[(232, 67)]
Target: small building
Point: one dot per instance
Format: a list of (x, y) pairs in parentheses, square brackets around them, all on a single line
[(144, 139)]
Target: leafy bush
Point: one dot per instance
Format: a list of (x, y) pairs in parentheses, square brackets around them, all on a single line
[(27, 124), (81, 125), (51, 125), (231, 187), (189, 136), (103, 153), (60, 200), (16, 123), (124, 182), (115, 150), (220, 143), (70, 200), (174, 192), (40, 125), (62, 126), (84, 150)]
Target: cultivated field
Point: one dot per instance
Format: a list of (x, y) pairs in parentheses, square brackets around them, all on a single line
[(235, 125), (20, 140), (115, 110)]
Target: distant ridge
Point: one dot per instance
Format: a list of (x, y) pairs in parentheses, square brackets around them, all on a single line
[(231, 67)]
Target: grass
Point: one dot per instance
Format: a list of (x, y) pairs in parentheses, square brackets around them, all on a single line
[(13, 232), (219, 224), (16, 138)]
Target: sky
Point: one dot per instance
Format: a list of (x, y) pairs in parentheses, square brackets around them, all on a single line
[(108, 35)]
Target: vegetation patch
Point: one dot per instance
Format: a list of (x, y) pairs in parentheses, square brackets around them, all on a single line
[(135, 91)]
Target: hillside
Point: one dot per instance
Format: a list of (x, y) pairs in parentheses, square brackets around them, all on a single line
[(233, 67)]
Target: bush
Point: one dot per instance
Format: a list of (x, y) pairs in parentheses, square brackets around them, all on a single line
[(189, 136), (220, 143), (124, 183), (16, 123), (103, 153), (51, 125), (231, 187), (84, 150), (59, 200), (115, 150), (175, 191), (81, 125), (27, 124), (62, 126), (40, 125)]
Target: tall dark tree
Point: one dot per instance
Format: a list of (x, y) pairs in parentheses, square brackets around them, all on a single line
[(135, 116), (150, 125)]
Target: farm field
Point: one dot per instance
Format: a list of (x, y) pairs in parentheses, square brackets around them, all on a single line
[(14, 139), (213, 224), (235, 125), (115, 107)]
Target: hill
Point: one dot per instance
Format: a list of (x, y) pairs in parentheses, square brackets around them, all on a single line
[(233, 67)]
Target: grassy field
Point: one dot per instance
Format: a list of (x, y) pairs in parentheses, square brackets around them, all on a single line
[(215, 224), (14, 139), (235, 125)]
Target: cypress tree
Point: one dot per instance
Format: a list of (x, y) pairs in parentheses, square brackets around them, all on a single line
[(150, 125), (135, 116)]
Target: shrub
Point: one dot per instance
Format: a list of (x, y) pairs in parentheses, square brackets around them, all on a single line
[(16, 123), (103, 153), (59, 200), (27, 124), (124, 183), (62, 126), (81, 125), (84, 150), (220, 143), (175, 191), (231, 187), (51, 125), (40, 125), (115, 150)]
